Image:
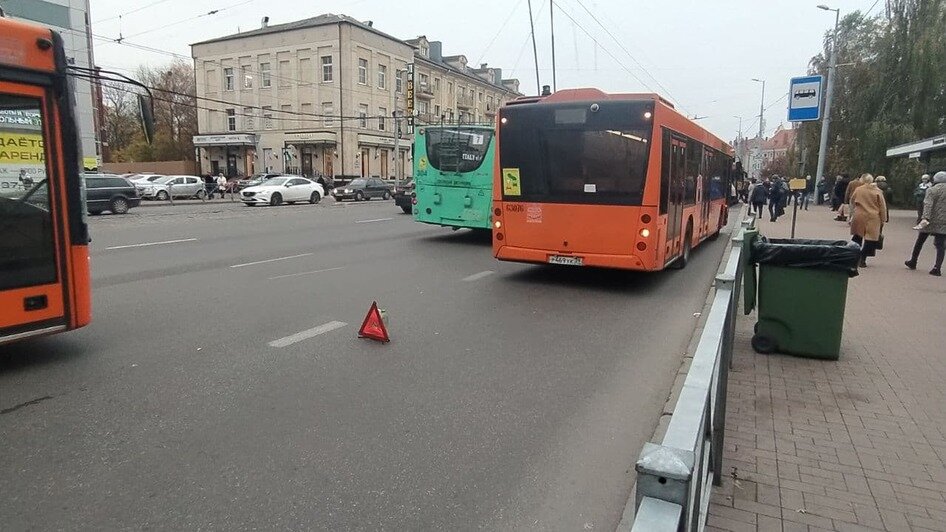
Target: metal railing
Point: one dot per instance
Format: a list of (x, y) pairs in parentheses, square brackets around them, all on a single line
[(675, 477)]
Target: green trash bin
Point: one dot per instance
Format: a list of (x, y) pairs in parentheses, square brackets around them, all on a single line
[(801, 293)]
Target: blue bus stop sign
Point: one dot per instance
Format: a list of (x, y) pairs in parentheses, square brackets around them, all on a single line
[(804, 99)]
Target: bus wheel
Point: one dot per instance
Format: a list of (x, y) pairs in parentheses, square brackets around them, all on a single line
[(684, 257)]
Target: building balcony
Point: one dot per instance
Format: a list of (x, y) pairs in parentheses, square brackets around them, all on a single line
[(490, 109), (425, 92), (465, 102)]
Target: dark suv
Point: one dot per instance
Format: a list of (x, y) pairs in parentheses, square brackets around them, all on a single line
[(404, 196), (113, 193)]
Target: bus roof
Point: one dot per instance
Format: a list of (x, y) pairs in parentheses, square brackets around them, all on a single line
[(26, 46), (590, 94)]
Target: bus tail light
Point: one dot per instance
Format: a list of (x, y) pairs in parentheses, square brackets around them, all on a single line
[(414, 200), (645, 233), (499, 236), (497, 224), (498, 212), (641, 246)]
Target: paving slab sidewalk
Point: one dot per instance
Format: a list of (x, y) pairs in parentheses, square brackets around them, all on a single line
[(854, 444)]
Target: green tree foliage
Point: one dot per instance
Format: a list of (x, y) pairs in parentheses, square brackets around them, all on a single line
[(890, 89), (175, 116)]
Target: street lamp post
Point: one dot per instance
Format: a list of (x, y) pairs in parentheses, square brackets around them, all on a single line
[(829, 93), (761, 108)]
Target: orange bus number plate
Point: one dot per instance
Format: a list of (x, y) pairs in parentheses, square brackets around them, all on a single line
[(565, 260)]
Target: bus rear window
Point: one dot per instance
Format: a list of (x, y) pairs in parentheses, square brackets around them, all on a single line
[(457, 149), (579, 166)]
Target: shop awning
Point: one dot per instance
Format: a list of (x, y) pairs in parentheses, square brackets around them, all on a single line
[(310, 137), (236, 139)]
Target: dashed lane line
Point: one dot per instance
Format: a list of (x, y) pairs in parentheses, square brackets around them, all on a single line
[(147, 244), (270, 260), (308, 333), (478, 276), (304, 273)]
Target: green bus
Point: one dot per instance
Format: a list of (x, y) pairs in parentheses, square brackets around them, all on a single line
[(453, 175)]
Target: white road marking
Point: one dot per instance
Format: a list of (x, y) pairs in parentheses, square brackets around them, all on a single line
[(269, 260), (305, 273), (478, 276), (146, 244), (375, 220), (308, 333)]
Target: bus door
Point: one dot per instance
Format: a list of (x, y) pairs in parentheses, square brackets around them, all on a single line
[(704, 193), (675, 191), (33, 295)]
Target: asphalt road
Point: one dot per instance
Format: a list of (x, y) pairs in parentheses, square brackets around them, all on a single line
[(511, 397)]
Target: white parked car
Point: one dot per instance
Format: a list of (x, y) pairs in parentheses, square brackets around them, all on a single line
[(182, 186), (284, 189)]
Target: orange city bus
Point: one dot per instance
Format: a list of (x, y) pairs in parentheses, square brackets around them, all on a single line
[(585, 178), (44, 256)]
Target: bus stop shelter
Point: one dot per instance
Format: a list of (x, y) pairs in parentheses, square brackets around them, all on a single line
[(921, 149)]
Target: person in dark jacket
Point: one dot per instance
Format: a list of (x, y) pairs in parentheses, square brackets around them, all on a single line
[(884, 187), (919, 194), (758, 195), (840, 187), (777, 197)]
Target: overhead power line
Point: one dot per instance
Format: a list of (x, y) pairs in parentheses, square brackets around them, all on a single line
[(666, 91), (126, 13)]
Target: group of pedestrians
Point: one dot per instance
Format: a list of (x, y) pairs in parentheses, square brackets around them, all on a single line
[(214, 185), (931, 220), (774, 192), (865, 201)]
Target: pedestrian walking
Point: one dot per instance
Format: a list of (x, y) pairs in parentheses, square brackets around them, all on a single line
[(885, 188), (837, 194), (919, 194), (777, 197), (868, 216), (758, 195), (845, 207), (933, 222), (221, 185), (806, 194), (820, 187)]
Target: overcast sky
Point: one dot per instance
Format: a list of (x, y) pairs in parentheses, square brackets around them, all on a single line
[(701, 54)]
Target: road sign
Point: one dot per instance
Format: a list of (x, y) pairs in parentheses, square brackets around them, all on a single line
[(804, 99)]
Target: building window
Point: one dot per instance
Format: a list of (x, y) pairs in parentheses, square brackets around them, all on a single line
[(327, 114), (285, 112), (285, 73), (247, 77), (437, 84), (228, 79), (480, 95), (450, 88), (267, 117), (422, 107), (398, 81), (437, 112), (231, 119), (265, 81), (489, 102), (249, 122), (423, 80), (382, 76), (326, 69), (382, 113), (363, 115), (363, 71), (306, 113)]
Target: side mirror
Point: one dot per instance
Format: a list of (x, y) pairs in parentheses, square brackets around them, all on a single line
[(288, 185)]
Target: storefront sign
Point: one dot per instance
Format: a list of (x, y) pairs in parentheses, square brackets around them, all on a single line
[(410, 98), (311, 137)]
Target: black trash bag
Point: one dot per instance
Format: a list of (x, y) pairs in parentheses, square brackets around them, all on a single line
[(838, 255)]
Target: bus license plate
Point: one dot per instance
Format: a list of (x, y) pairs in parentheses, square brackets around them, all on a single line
[(565, 261)]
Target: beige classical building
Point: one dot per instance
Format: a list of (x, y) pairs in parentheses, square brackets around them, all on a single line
[(318, 97)]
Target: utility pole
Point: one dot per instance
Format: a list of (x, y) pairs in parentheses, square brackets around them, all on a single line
[(397, 144), (535, 50), (826, 119), (761, 109), (552, 22)]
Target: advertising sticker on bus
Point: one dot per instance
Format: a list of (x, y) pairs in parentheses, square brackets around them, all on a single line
[(511, 184)]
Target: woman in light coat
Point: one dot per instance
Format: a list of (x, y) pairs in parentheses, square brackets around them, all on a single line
[(869, 213), (933, 222)]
